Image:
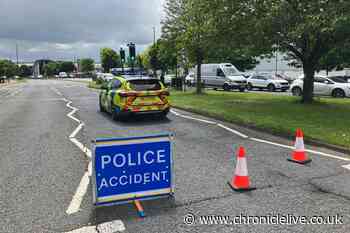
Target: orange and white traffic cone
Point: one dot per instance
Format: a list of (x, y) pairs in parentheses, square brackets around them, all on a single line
[(299, 155), (240, 180)]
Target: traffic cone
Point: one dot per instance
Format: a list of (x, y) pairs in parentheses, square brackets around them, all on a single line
[(240, 180), (299, 155)]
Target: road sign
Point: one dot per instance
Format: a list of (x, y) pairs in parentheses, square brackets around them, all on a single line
[(133, 168)]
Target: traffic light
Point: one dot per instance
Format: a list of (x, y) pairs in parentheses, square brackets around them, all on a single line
[(122, 54), (132, 51)]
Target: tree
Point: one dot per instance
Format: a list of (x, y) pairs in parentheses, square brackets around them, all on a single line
[(153, 59), (198, 31), (25, 71), (167, 55), (337, 58), (51, 68), (109, 59), (66, 66), (87, 65), (188, 24), (8, 68), (308, 30), (139, 61), (241, 58)]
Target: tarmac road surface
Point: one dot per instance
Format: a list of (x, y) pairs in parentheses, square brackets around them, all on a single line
[(41, 170)]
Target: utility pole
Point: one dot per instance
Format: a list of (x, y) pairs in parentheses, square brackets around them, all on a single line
[(154, 35), (276, 68), (17, 54)]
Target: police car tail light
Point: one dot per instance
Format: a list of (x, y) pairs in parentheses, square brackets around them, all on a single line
[(163, 95)]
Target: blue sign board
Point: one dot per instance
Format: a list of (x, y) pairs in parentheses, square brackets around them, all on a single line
[(133, 168)]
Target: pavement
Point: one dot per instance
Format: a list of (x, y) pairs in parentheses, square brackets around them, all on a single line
[(44, 186)]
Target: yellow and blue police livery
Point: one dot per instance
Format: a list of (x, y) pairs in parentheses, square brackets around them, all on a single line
[(123, 96)]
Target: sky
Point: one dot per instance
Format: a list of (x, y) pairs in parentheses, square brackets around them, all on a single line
[(64, 29)]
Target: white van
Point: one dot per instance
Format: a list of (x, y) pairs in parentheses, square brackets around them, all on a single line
[(223, 75)]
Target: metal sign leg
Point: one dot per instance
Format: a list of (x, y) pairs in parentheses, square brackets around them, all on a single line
[(139, 208)]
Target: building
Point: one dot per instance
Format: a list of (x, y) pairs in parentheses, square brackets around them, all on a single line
[(38, 67)]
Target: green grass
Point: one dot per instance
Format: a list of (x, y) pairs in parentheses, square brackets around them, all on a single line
[(94, 85), (326, 120)]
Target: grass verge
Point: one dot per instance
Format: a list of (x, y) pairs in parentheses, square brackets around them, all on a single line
[(94, 85), (327, 120)]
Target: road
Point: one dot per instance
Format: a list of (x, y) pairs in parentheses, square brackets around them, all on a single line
[(42, 171)]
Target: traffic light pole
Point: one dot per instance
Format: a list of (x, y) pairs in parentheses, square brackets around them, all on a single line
[(132, 55)]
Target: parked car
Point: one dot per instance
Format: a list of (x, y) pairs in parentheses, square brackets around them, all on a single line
[(340, 79), (223, 75), (105, 77), (62, 75), (3, 79), (189, 79), (168, 78), (337, 88), (267, 81), (122, 97)]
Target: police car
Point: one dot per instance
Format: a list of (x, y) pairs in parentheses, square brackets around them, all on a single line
[(124, 96)]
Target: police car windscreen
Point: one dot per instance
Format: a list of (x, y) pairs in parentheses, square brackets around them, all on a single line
[(145, 85)]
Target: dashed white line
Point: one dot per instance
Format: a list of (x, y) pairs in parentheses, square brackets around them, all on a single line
[(346, 166)]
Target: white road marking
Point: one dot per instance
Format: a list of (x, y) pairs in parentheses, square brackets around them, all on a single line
[(212, 123), (16, 92), (56, 91), (233, 131), (292, 147), (174, 112), (346, 166), (272, 143), (78, 197), (90, 168), (74, 110), (76, 131), (260, 140), (197, 119), (89, 229), (111, 227), (107, 227), (327, 155), (83, 148)]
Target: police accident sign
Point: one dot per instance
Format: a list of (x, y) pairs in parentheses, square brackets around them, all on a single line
[(133, 168)]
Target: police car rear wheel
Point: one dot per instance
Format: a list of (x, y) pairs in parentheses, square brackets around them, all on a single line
[(164, 113), (115, 116), (101, 107)]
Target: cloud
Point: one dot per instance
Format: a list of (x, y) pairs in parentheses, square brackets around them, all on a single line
[(67, 28)]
